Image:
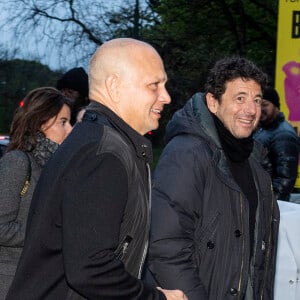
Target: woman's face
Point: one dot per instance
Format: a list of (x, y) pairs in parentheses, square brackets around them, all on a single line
[(57, 128)]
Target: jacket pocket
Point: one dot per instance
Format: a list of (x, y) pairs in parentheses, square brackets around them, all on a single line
[(205, 235), (123, 247)]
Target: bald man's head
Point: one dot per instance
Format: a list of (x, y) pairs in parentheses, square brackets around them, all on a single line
[(128, 77), (115, 57)]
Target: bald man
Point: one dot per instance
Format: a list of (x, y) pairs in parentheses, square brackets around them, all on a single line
[(87, 233)]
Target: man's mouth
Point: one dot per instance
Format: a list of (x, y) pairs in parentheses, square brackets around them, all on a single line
[(157, 111), (246, 121)]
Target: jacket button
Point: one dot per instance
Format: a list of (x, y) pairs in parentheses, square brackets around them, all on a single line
[(233, 291), (210, 245), (237, 233), (93, 117)]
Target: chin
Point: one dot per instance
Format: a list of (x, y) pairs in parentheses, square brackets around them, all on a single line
[(154, 127), (242, 135)]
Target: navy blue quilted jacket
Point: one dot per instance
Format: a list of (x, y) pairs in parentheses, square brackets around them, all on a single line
[(282, 143)]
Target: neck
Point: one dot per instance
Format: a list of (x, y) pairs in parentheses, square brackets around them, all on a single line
[(236, 150)]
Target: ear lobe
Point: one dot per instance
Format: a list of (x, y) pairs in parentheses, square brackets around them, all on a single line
[(111, 85), (212, 103)]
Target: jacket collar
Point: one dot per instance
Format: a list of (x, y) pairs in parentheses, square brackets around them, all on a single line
[(204, 118), (141, 145)]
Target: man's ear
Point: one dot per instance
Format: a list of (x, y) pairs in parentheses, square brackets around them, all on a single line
[(112, 87), (212, 103)]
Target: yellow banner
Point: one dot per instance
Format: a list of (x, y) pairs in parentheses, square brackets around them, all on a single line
[(287, 80)]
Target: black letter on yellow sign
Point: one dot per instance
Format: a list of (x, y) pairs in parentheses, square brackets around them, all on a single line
[(296, 25)]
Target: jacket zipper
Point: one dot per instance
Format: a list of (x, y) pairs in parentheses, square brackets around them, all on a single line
[(122, 249), (269, 246), (148, 224), (243, 248)]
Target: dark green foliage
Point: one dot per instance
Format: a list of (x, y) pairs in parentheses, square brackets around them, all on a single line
[(17, 78), (192, 35)]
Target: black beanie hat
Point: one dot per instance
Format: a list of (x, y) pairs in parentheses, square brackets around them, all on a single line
[(75, 79), (271, 95)]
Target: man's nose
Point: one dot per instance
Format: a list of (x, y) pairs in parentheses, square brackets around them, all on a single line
[(165, 97), (250, 107)]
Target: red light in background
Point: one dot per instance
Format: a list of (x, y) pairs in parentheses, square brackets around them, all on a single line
[(21, 103)]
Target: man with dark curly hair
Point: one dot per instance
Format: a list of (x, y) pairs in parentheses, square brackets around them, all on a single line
[(214, 217)]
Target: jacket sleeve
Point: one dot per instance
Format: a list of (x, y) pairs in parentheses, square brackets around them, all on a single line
[(94, 200), (284, 152), (13, 172), (177, 193)]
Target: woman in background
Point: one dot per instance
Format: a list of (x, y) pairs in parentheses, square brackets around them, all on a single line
[(37, 129)]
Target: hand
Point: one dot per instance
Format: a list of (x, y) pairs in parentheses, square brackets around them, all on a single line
[(173, 294)]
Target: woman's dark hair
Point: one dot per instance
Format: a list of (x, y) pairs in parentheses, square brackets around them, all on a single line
[(228, 69), (40, 105)]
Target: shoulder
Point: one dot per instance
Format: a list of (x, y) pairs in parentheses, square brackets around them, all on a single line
[(88, 147), (190, 146), (15, 157), (14, 166), (186, 154), (285, 133), (287, 127), (113, 143)]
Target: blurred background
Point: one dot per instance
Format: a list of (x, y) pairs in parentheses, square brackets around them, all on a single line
[(41, 39)]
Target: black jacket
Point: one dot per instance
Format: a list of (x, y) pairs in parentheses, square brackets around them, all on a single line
[(282, 143), (89, 220), (199, 238)]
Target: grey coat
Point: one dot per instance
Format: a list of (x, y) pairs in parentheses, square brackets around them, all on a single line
[(14, 166), (13, 211)]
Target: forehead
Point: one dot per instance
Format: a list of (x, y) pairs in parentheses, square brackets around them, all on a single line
[(65, 111), (243, 86)]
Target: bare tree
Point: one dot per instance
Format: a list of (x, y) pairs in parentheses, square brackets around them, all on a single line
[(73, 28)]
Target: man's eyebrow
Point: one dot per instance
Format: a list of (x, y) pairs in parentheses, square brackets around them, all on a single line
[(245, 93)]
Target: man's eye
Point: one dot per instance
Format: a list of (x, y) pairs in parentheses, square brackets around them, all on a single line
[(258, 101), (240, 99), (154, 85)]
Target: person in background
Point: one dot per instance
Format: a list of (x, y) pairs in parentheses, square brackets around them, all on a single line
[(282, 143), (37, 129), (214, 218), (90, 216), (75, 85)]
